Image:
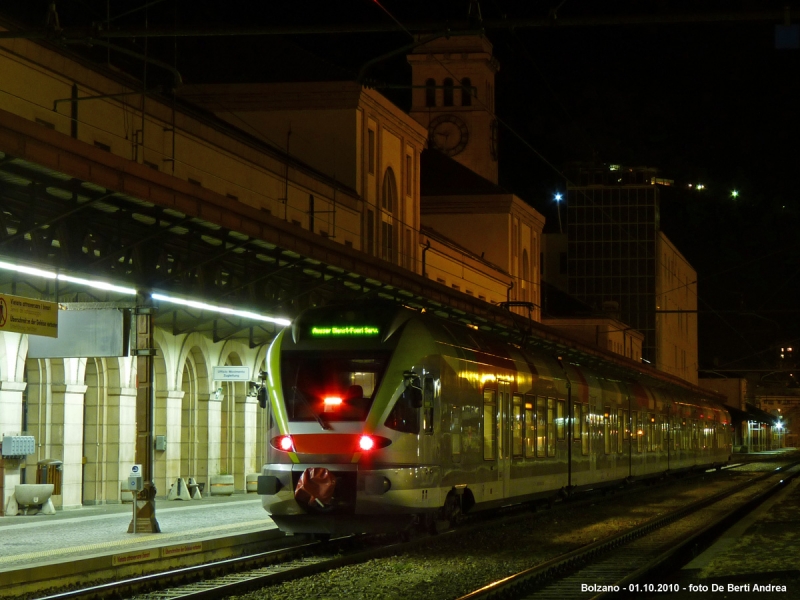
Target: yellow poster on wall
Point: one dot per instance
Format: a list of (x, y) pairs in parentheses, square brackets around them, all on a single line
[(28, 315)]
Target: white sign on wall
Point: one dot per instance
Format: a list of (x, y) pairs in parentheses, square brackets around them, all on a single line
[(231, 373)]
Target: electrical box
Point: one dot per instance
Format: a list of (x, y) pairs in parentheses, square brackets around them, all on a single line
[(161, 443), (135, 480), (18, 446), (135, 483)]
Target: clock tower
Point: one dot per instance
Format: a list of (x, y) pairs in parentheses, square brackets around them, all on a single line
[(453, 96)]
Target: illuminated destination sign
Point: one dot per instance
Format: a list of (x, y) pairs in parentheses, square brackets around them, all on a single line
[(349, 330)]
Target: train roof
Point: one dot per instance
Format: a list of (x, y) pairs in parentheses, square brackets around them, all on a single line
[(499, 325)]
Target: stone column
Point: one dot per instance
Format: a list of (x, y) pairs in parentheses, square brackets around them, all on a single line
[(209, 420), (168, 423), (246, 424), (66, 439), (121, 443), (10, 424)]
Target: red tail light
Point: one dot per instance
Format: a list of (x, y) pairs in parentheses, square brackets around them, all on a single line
[(331, 403), (329, 443), (282, 442)]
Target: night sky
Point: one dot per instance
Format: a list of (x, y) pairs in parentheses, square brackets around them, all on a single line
[(712, 102)]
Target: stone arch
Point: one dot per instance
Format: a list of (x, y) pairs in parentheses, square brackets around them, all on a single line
[(448, 92), (430, 92), (262, 415), (466, 92), (194, 428), (95, 433)]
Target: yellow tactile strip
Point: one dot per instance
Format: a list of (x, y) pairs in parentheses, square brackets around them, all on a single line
[(138, 539)]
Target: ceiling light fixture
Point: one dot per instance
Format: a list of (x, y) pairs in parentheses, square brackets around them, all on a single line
[(221, 309), (100, 285)]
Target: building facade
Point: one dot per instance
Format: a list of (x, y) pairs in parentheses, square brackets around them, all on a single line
[(617, 255)]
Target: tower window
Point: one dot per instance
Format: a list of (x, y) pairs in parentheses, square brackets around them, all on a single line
[(466, 92), (430, 92), (371, 150), (448, 92)]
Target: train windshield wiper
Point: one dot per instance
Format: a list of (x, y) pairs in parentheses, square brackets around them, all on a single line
[(298, 394)]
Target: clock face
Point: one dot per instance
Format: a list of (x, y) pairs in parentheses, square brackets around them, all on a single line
[(448, 134)]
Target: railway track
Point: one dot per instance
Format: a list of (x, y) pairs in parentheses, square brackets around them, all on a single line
[(623, 563), (226, 577), (240, 575)]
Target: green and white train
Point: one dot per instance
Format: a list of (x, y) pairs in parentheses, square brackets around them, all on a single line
[(384, 416)]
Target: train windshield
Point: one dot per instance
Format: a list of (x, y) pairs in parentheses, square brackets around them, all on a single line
[(331, 386)]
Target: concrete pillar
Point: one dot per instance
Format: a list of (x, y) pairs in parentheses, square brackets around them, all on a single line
[(244, 436), (168, 423), (66, 442), (10, 424), (121, 442), (209, 419)]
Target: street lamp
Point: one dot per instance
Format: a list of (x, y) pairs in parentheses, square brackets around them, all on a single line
[(558, 206), (734, 194)]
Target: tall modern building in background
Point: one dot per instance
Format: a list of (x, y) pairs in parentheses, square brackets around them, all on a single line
[(620, 263)]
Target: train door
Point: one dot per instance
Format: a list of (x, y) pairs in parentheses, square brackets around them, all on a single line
[(505, 424), (430, 400)]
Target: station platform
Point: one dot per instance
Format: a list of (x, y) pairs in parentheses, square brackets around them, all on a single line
[(30, 545)]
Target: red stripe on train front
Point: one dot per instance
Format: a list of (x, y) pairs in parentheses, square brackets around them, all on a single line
[(331, 443)]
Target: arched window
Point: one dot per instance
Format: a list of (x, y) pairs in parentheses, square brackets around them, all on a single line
[(389, 191), (466, 92), (448, 92), (430, 92), (388, 206)]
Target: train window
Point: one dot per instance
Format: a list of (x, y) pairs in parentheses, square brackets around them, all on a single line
[(551, 427), (530, 428), (626, 424), (427, 404), (405, 413), (620, 429), (489, 424), (541, 425), (517, 425), (455, 432), (311, 378), (561, 419), (585, 429), (636, 428), (606, 434), (614, 429), (576, 421)]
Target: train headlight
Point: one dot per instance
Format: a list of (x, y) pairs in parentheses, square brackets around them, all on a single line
[(366, 443)]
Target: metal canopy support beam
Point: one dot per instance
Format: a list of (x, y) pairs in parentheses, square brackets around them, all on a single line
[(144, 520)]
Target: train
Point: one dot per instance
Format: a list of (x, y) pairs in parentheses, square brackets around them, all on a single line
[(385, 417)]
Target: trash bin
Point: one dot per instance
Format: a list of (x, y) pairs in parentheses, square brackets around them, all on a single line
[(49, 471)]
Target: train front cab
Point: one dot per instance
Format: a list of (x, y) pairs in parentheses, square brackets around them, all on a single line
[(319, 479)]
